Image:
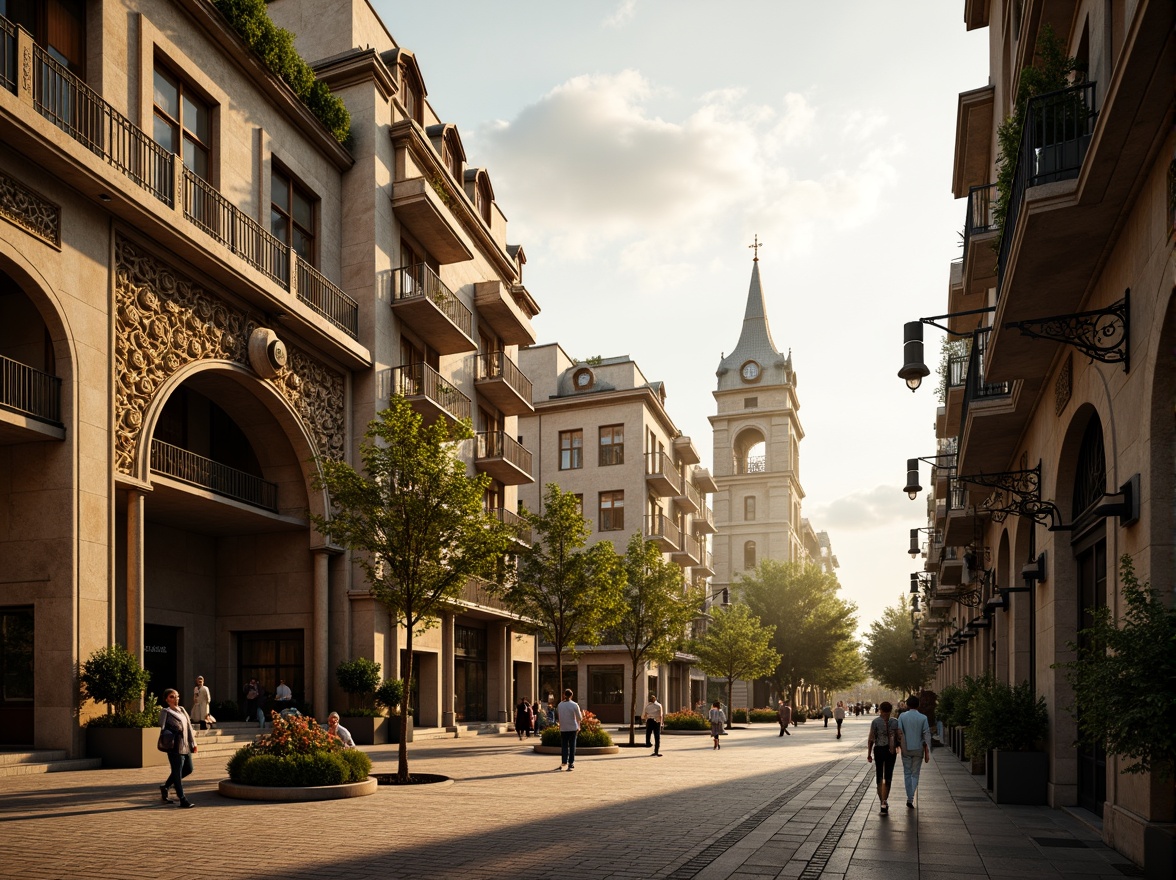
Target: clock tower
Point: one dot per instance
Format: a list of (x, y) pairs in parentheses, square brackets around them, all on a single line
[(757, 436)]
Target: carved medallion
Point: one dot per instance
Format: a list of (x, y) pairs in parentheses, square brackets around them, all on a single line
[(165, 322), (29, 210)]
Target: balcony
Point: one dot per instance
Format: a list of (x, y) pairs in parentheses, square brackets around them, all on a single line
[(706, 564), (502, 457), (973, 140), (422, 301), (963, 523), (30, 404), (73, 107), (704, 481), (704, 521), (499, 380), (978, 269), (689, 551), (511, 519), (951, 568), (429, 394), (689, 499), (507, 309), (957, 374), (426, 214), (660, 529), (685, 450), (204, 473), (992, 416), (661, 476)]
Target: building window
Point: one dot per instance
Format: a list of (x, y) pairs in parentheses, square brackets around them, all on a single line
[(571, 450), (411, 94), (451, 155), (292, 214), (182, 122), (612, 445), (579, 496), (612, 511), (482, 198), (749, 508), (750, 402), (58, 26), (749, 556), (271, 656)]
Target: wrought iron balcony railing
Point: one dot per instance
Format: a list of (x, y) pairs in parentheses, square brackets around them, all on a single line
[(496, 365), (661, 526), (421, 281), (1054, 141), (755, 464), (975, 388), (980, 217), (188, 467), (72, 106), (30, 392), (499, 444), (510, 518), (421, 380)]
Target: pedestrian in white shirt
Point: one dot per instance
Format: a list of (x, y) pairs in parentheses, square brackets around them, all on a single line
[(654, 715)]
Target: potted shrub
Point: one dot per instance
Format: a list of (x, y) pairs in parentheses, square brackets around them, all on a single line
[(390, 696), (1012, 722), (360, 678), (125, 736)]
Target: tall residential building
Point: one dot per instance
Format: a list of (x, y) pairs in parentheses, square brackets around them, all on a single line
[(601, 431), (202, 293), (1055, 443)]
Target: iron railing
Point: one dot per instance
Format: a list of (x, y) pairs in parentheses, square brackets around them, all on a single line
[(511, 519), (188, 467), (421, 380), (705, 514), (327, 299), (236, 230), (705, 560), (421, 281), (7, 55), (659, 525), (975, 388), (691, 493), (30, 392), (496, 365), (1054, 141), (754, 464), (660, 464), (980, 217), (80, 112), (499, 444)]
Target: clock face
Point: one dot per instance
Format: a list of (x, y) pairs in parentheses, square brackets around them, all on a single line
[(750, 371), (583, 379)]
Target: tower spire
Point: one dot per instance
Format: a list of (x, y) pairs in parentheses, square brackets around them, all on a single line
[(755, 246)]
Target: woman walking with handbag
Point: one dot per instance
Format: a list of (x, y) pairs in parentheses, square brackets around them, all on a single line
[(177, 739)]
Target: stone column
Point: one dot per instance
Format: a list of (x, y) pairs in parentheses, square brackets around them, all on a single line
[(320, 678), (447, 675), (136, 503), (501, 635)]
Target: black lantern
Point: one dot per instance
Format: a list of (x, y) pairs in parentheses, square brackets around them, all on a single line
[(913, 369)]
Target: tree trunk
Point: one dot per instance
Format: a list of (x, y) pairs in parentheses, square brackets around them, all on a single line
[(633, 708), (730, 708), (406, 713)]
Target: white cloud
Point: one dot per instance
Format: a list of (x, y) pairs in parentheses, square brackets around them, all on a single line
[(590, 166), (881, 506), (621, 14)]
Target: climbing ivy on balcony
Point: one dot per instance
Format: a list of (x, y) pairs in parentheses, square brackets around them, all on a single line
[(274, 46), (1054, 70)]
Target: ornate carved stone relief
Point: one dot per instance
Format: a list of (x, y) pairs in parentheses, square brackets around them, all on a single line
[(1064, 385), (165, 322), (30, 211)]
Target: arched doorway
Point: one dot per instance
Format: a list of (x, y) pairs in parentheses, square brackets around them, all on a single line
[(1089, 545)]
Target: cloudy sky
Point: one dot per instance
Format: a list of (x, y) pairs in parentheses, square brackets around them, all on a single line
[(637, 146)]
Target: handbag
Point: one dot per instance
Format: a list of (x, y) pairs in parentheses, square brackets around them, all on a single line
[(167, 740)]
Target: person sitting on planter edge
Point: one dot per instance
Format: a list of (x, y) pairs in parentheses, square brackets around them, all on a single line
[(337, 730)]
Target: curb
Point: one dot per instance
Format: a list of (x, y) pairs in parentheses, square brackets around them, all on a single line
[(230, 789)]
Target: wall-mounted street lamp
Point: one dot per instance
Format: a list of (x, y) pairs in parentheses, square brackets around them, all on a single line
[(912, 487), (913, 369), (915, 549)]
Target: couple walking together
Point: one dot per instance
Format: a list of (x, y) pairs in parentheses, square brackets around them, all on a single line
[(908, 735)]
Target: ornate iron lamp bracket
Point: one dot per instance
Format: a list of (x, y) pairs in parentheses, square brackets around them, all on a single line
[(1017, 493), (1102, 335)]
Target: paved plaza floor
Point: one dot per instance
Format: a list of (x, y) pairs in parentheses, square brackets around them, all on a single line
[(763, 806)]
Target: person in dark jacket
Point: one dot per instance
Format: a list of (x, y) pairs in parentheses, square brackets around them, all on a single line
[(524, 720)]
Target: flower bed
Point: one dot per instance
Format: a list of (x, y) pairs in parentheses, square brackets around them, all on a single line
[(591, 734), (685, 720), (298, 753)]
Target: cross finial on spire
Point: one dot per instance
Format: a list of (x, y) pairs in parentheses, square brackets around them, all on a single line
[(755, 246)]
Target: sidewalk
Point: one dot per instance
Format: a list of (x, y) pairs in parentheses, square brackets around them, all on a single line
[(762, 806)]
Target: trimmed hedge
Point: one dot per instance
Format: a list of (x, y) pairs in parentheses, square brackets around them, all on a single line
[(764, 716), (319, 768), (686, 721)]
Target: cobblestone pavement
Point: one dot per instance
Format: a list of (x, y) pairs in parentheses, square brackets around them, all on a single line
[(762, 806)]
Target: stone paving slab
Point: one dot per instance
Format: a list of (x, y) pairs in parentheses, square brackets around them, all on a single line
[(796, 808)]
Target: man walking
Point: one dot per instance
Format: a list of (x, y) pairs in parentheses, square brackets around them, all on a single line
[(784, 713), (569, 715), (914, 734), (653, 715)]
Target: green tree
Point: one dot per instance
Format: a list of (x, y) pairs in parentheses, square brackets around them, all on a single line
[(572, 594), (416, 522), (1124, 678), (846, 668), (812, 623), (894, 659), (658, 608), (114, 676), (735, 645), (359, 678)]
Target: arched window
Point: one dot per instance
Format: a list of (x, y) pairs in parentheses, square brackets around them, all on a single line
[(750, 452), (749, 508), (1090, 474), (749, 556)]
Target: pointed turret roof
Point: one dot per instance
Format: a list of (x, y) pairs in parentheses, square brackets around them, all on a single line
[(755, 342)]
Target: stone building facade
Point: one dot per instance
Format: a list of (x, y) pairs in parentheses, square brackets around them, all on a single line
[(601, 430), (202, 293), (1057, 440)]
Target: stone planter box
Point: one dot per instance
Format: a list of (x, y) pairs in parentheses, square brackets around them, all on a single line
[(125, 746), (1020, 777), (367, 731), (228, 788), (581, 751), (978, 765)]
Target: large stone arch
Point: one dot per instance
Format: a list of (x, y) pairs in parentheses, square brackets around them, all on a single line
[(747, 438), (166, 323)]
